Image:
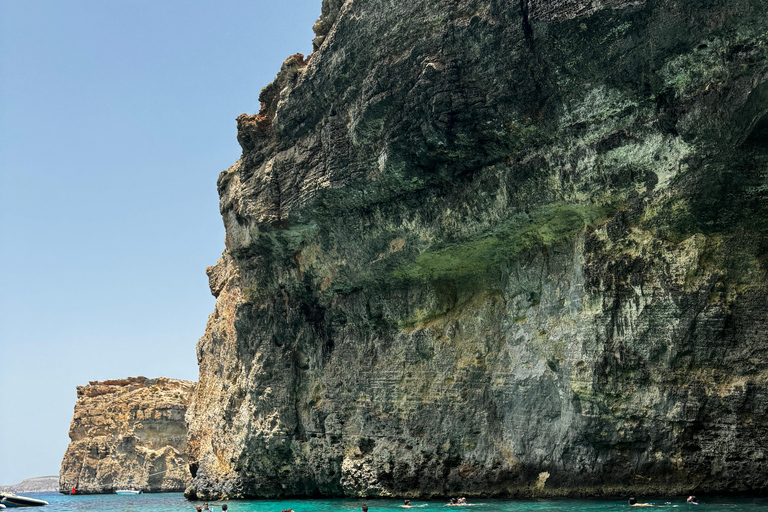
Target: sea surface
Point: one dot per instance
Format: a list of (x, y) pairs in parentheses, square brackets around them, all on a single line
[(177, 503)]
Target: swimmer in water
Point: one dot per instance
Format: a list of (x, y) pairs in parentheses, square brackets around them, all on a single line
[(633, 503), (692, 499), (406, 504)]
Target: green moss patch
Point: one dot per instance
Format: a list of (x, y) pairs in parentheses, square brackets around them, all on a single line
[(486, 253)]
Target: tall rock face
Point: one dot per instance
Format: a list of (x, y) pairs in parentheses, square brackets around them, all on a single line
[(128, 431), (496, 248)]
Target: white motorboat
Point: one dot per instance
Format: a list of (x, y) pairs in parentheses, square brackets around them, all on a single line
[(12, 500), (130, 490)]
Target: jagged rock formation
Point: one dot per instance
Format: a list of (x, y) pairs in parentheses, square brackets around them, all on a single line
[(128, 431), (496, 248)]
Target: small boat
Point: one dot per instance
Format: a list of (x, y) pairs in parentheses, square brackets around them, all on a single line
[(12, 500), (130, 490)]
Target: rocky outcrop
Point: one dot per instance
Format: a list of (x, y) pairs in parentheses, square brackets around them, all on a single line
[(128, 431), (496, 248)]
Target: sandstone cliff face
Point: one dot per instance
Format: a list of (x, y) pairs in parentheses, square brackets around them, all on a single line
[(128, 431), (496, 248)]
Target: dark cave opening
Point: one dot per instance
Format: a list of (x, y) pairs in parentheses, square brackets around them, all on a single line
[(758, 137)]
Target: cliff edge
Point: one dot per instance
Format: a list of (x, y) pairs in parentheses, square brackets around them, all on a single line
[(496, 248), (128, 431)]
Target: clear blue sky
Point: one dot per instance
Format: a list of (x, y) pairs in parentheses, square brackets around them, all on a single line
[(116, 117)]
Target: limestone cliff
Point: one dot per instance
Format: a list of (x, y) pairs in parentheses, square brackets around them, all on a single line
[(128, 431), (496, 248)]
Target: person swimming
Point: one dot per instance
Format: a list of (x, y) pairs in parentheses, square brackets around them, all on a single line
[(633, 503), (693, 500)]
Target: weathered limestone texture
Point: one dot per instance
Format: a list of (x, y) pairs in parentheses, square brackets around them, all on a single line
[(496, 248), (128, 431)]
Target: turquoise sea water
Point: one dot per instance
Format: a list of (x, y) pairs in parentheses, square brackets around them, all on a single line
[(177, 503)]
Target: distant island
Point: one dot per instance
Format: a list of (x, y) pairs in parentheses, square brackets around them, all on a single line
[(37, 484)]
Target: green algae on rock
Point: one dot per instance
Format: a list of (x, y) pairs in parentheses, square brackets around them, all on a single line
[(496, 249)]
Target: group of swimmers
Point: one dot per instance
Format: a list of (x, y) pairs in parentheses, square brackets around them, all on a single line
[(206, 508), (454, 502), (693, 500)]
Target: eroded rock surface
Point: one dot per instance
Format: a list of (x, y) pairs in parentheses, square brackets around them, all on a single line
[(496, 248), (128, 431)]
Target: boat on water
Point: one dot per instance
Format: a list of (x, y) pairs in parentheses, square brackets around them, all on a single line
[(130, 490), (12, 500)]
